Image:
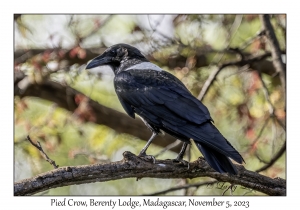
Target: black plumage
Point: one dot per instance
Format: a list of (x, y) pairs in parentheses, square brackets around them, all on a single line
[(164, 103)]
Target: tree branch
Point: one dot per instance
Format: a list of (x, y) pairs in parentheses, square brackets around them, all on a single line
[(268, 99), (39, 147), (242, 62), (187, 186), (134, 166), (22, 55), (274, 159), (275, 48), (64, 97)]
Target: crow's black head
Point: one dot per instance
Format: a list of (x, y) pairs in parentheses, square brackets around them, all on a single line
[(118, 56)]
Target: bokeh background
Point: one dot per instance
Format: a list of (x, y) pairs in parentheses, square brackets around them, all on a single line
[(224, 60)]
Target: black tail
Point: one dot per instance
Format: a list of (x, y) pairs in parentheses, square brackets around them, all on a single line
[(214, 147), (216, 160)]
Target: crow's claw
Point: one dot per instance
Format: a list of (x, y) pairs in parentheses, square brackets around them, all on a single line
[(183, 162), (147, 157)]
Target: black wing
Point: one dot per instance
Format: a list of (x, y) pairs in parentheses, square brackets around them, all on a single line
[(159, 93)]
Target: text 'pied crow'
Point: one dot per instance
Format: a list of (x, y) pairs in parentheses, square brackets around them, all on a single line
[(164, 103)]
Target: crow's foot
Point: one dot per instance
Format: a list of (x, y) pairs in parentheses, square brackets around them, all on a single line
[(147, 157), (183, 162)]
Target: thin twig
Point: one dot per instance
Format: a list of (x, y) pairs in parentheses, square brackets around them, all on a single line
[(185, 191), (272, 114), (97, 27), (170, 146), (154, 29), (260, 133), (229, 187), (271, 106), (215, 72), (240, 70), (88, 155), (197, 185), (260, 159), (208, 83), (252, 39), (275, 49), (275, 55), (274, 159), (232, 31), (39, 147), (267, 94), (235, 25), (279, 122)]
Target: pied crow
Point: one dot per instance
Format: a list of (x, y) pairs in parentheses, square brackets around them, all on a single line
[(165, 104)]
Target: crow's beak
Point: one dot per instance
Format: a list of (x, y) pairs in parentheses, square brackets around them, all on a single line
[(98, 61)]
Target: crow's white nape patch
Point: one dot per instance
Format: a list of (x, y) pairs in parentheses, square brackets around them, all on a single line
[(145, 66)]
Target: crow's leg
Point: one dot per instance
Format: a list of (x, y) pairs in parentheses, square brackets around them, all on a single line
[(143, 152), (181, 154), (182, 151)]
